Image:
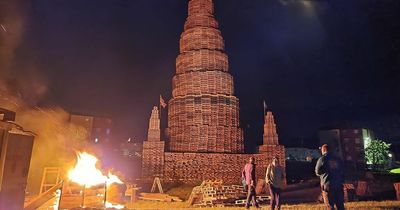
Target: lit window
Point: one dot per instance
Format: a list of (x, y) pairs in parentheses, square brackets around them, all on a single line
[(357, 140), (355, 131)]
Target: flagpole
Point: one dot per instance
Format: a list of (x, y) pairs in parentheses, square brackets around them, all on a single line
[(264, 108), (159, 107)]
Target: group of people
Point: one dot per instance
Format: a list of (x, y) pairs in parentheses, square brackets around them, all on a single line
[(329, 168)]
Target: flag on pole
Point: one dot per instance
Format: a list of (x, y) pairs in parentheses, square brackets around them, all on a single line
[(4, 28), (265, 105), (162, 102)]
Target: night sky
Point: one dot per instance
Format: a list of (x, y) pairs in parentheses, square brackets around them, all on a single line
[(316, 63)]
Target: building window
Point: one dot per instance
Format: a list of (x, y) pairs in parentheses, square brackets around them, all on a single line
[(348, 158), (357, 140), (346, 148), (355, 131), (346, 140)]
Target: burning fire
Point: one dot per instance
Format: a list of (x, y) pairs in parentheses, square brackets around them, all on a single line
[(115, 206), (85, 172)]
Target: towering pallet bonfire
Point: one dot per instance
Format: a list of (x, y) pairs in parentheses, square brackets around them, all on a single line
[(205, 140), (203, 114)]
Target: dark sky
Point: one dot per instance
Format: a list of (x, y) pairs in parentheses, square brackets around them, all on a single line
[(316, 63)]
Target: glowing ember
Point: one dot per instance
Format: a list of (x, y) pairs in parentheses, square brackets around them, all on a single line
[(114, 206), (85, 172)]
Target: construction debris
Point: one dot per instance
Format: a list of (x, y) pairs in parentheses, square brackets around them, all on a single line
[(131, 192), (211, 193), (159, 197)]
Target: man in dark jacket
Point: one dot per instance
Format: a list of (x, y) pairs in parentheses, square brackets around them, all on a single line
[(249, 175), (330, 170)]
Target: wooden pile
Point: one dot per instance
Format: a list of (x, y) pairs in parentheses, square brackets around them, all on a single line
[(201, 38), (194, 167), (201, 60), (260, 199), (203, 82), (203, 115), (362, 189), (211, 193), (201, 14), (397, 188), (270, 134), (201, 7), (205, 140), (200, 21), (205, 123), (162, 197), (153, 159), (348, 187)]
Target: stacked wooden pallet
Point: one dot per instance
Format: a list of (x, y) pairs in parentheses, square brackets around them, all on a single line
[(202, 82), (201, 7), (192, 167), (203, 114), (159, 197), (153, 158), (348, 187), (201, 38), (210, 193), (260, 199), (201, 60), (205, 123)]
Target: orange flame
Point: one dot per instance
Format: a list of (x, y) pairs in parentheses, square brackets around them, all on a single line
[(85, 172), (115, 206)]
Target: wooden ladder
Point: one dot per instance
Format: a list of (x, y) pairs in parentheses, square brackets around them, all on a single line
[(51, 177), (157, 183)]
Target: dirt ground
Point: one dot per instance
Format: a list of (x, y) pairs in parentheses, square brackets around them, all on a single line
[(387, 205)]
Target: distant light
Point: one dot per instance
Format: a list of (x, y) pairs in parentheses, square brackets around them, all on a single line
[(395, 171), (129, 140), (96, 140), (390, 155), (308, 4)]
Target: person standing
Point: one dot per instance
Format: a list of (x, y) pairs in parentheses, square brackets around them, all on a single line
[(275, 179), (330, 170), (249, 175)]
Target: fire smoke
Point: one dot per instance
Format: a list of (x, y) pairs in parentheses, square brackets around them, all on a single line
[(21, 88)]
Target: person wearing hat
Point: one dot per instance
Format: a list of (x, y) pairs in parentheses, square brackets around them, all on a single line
[(329, 168), (275, 179)]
